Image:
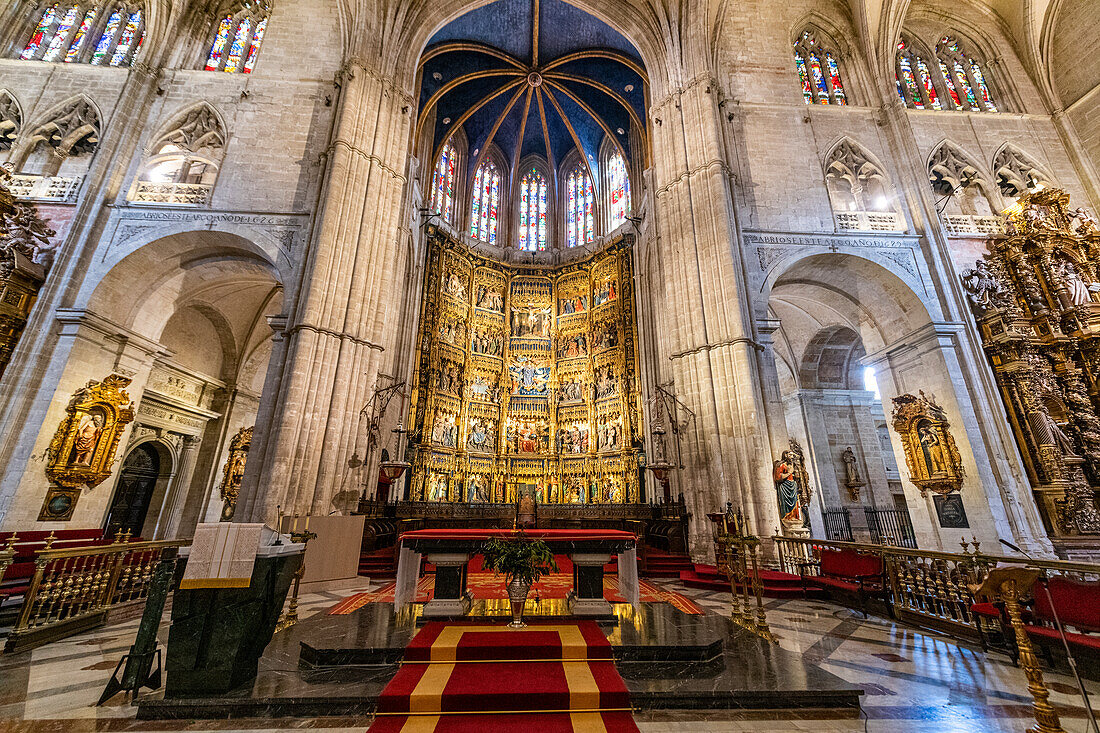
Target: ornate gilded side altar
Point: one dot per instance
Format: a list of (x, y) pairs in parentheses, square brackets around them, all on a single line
[(527, 380), (26, 254), (1035, 298)]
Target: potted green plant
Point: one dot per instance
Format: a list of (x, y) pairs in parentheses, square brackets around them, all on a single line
[(522, 561)]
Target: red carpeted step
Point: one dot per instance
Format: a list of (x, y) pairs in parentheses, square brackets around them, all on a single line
[(611, 722), (442, 642), (467, 687)]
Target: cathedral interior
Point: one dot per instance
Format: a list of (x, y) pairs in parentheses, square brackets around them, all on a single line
[(784, 303)]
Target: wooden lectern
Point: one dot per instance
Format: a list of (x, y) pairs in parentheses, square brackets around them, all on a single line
[(1008, 584)]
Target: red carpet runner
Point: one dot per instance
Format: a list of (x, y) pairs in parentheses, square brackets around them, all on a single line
[(481, 678)]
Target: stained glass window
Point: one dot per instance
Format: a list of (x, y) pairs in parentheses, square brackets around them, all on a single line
[(818, 72), (39, 34), (443, 184), (235, 45), (221, 38), (532, 212), (108, 37), (834, 79), (75, 32), (81, 35), (963, 77), (257, 39), (485, 208), (580, 202), (807, 92), (929, 87), (127, 39), (61, 36), (979, 78), (618, 190)]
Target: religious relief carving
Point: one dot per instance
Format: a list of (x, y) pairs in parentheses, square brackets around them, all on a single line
[(26, 254), (930, 452), (1034, 296), (233, 471), (852, 481), (83, 449)]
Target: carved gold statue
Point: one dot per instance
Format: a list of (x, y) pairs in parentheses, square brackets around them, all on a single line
[(83, 449), (233, 472), (930, 451)]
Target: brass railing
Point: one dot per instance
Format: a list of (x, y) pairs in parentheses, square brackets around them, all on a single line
[(74, 589), (929, 588)]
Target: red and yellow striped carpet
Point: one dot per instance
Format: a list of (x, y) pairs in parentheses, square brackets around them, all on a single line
[(482, 678)]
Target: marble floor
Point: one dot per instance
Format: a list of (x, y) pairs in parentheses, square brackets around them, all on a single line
[(915, 682)]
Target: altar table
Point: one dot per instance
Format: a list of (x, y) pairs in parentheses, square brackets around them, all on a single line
[(450, 551)]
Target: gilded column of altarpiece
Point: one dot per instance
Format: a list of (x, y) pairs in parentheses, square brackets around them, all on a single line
[(527, 380), (1035, 298)]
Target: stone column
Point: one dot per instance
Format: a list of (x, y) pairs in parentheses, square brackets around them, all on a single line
[(706, 345), (178, 495), (343, 318)]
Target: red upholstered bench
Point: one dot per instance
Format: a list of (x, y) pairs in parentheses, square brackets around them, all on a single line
[(850, 573), (1078, 606)]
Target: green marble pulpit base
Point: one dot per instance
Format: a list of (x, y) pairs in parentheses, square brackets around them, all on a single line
[(219, 634)]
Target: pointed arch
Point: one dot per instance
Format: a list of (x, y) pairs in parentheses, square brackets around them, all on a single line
[(860, 191), (72, 128), (533, 203), (965, 192), (819, 67), (917, 85), (236, 37), (488, 192), (964, 74), (577, 201), (1016, 172), (11, 119), (446, 178), (82, 31), (183, 159), (615, 185)]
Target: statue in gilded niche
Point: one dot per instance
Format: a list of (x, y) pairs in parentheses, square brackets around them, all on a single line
[(784, 473), (607, 384), (489, 299), (437, 487), (930, 451), (475, 490), (233, 473), (608, 338), (482, 436), (87, 438)]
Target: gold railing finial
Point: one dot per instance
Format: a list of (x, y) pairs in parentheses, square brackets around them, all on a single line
[(50, 539), (11, 542)]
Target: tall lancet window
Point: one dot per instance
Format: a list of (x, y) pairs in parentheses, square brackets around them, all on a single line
[(532, 212), (485, 208), (914, 80), (580, 202), (962, 74), (818, 71), (443, 184), (104, 35), (236, 40), (618, 187)]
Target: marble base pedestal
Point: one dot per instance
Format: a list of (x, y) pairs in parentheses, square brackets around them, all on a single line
[(219, 634), (586, 598), (450, 597)]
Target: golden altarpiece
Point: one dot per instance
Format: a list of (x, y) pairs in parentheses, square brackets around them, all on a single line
[(1035, 297), (527, 380)]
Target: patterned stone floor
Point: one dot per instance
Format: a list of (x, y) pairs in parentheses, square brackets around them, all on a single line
[(916, 682)]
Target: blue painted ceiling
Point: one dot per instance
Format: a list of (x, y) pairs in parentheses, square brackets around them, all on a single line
[(584, 99)]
